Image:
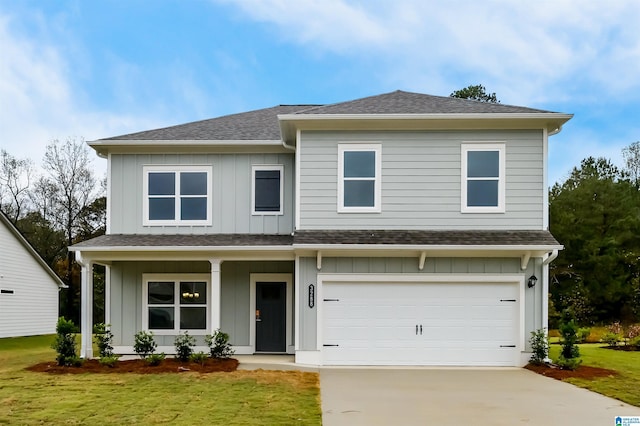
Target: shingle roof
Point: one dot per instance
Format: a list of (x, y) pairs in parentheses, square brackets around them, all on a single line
[(427, 238), (330, 237), (185, 240), (400, 102), (261, 124)]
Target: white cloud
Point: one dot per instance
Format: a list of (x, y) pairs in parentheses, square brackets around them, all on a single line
[(523, 50), (39, 103)]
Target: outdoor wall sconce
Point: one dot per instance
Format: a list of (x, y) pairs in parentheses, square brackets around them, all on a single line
[(532, 281)]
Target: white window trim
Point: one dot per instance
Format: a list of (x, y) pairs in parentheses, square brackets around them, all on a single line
[(349, 147), (176, 278), (177, 170), (267, 167), (467, 147)]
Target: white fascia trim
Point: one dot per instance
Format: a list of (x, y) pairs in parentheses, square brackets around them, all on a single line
[(207, 249), (427, 248), (169, 142), (452, 116)]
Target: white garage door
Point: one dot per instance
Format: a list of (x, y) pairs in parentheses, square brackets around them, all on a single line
[(470, 324)]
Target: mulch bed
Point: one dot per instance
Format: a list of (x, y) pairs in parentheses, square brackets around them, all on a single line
[(139, 366), (582, 372), (626, 348)]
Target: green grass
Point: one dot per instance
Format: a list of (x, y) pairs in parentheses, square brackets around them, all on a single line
[(625, 386), (242, 397)]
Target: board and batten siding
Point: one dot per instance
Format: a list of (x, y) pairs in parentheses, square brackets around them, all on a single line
[(127, 303), (421, 180), (380, 266), (32, 308), (231, 197)]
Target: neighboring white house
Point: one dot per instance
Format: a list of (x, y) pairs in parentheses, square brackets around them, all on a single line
[(397, 229), (28, 287)]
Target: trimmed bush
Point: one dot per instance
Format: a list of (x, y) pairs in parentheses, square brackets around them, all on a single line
[(218, 343), (539, 346), (144, 344), (65, 343), (199, 357), (184, 346), (109, 361), (155, 359), (570, 355), (104, 339)]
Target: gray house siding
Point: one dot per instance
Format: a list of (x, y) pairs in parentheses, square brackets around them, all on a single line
[(231, 193), (126, 296), (421, 181), (409, 265)]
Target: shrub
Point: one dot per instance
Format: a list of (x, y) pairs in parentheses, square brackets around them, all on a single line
[(635, 342), (611, 339), (570, 353), (144, 344), (218, 343), (109, 361), (155, 359), (633, 332), (199, 357), (184, 346), (568, 363), (104, 339), (65, 343), (539, 346), (583, 334)]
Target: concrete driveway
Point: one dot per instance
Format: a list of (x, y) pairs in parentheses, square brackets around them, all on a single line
[(505, 396)]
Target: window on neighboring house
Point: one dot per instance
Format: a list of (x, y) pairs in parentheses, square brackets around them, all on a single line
[(359, 169), (176, 303), (177, 195), (483, 178), (267, 190)]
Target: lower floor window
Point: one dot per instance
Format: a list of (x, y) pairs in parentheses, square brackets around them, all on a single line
[(175, 303)]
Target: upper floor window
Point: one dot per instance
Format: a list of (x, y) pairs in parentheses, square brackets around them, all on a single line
[(267, 190), (175, 195), (175, 303), (359, 177), (483, 178)]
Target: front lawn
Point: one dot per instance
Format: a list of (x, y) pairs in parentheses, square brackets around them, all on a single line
[(242, 397), (624, 386)]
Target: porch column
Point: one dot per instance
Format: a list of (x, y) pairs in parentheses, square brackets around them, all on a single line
[(86, 307), (215, 293)]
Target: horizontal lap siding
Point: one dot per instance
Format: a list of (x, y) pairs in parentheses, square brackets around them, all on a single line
[(231, 198), (421, 181), (32, 309)]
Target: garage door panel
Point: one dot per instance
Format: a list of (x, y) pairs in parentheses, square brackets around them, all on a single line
[(461, 324)]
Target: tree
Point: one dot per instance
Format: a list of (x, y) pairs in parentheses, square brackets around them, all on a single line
[(70, 177), (595, 214), (15, 176), (631, 155), (476, 93)]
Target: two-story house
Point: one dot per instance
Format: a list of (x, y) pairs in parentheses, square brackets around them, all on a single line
[(398, 229)]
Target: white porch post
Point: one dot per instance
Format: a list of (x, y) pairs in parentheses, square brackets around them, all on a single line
[(86, 307), (215, 293)]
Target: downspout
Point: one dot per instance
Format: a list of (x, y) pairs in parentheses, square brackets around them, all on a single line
[(550, 257)]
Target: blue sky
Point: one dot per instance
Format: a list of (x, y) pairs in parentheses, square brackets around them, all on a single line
[(96, 69)]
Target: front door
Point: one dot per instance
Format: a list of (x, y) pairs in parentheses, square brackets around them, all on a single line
[(271, 316)]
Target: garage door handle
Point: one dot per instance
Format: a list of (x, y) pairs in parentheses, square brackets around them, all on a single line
[(507, 300), (421, 329), (331, 300), (507, 346), (416, 329), (330, 345)]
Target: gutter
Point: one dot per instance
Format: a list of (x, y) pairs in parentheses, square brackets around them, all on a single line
[(550, 257)]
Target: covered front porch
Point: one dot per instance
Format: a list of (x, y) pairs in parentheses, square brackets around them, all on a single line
[(246, 291)]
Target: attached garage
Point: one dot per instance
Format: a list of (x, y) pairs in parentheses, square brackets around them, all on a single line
[(413, 320)]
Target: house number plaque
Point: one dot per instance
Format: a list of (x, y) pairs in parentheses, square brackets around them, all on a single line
[(312, 296)]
